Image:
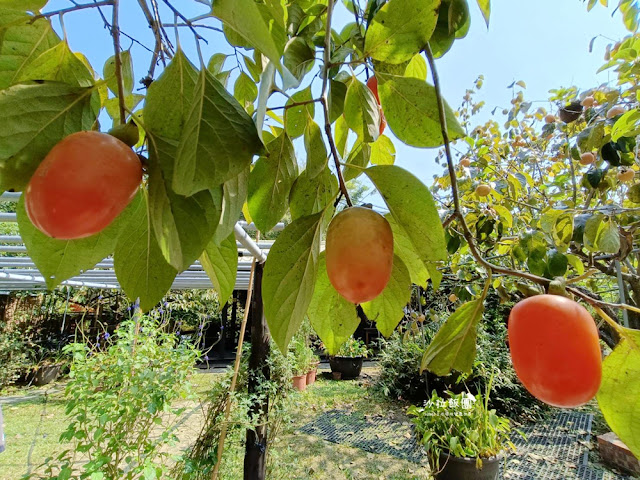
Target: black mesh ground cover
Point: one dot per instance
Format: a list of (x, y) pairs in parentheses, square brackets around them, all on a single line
[(553, 450)]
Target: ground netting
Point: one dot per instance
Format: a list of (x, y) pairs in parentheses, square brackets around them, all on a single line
[(556, 449)]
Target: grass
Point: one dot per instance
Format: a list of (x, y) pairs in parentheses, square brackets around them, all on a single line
[(32, 429)]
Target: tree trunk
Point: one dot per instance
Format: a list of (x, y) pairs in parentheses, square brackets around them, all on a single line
[(255, 465)]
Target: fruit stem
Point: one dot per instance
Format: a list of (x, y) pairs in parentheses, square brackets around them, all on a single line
[(115, 32), (454, 186), (325, 103)]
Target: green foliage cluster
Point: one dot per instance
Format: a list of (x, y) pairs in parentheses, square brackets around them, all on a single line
[(14, 357), (353, 347), (122, 403), (301, 356), (461, 425)]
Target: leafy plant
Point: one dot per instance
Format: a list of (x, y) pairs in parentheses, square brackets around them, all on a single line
[(461, 425), (353, 348), (13, 355), (121, 403)]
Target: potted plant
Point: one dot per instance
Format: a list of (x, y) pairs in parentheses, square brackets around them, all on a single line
[(298, 358), (464, 440), (348, 361), (312, 366)]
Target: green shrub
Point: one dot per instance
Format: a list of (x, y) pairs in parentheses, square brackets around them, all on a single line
[(13, 355), (121, 402), (353, 348)]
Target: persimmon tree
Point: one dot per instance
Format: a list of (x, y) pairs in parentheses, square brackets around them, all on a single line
[(217, 140)]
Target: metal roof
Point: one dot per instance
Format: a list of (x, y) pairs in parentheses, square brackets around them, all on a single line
[(19, 272)]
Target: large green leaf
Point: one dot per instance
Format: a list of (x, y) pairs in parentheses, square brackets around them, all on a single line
[(218, 141), (21, 42), (628, 125), (289, 277), (311, 195), (361, 111), (454, 346), (608, 237), (403, 248), (246, 19), (412, 206), (400, 29), (411, 109), (26, 5), (332, 317), (221, 264), (298, 57), (297, 117), (183, 225), (234, 196), (619, 394), (270, 183), (59, 260), (141, 268), (126, 66), (58, 64), (245, 91), (315, 149), (387, 309), (35, 118)]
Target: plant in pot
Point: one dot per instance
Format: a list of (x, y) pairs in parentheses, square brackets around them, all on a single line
[(299, 359), (348, 361), (312, 366), (464, 440)]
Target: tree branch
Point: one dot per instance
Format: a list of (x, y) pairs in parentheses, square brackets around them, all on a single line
[(185, 20), (72, 9), (115, 32), (325, 104), (454, 187)]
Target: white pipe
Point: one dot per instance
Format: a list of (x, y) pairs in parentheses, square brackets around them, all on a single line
[(248, 243)]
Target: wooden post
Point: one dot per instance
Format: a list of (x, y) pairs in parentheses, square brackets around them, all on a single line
[(255, 465)]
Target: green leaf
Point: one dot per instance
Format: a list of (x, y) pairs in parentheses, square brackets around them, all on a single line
[(21, 43), (218, 141), (221, 264), (141, 269), (412, 206), (417, 68), (400, 29), (411, 109), (383, 151), (562, 230), (591, 138), (332, 317), (35, 118), (628, 125), (634, 193), (337, 94), (359, 158), (26, 5), (59, 260), (454, 346), (315, 148), (289, 277), (234, 196), (387, 309), (298, 57), (341, 135), (608, 237), (403, 248), (216, 63), (557, 264), (312, 195), (246, 19), (576, 263), (485, 8), (270, 183), (245, 91), (183, 225), (619, 393), (298, 117), (109, 73), (58, 64), (361, 111), (112, 106)]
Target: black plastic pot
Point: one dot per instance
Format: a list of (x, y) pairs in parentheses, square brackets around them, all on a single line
[(349, 367), (456, 468)]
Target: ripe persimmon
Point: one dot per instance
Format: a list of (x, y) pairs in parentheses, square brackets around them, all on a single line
[(483, 190), (82, 185), (587, 158), (555, 350), (626, 175), (372, 83), (465, 162), (359, 253), (550, 118)]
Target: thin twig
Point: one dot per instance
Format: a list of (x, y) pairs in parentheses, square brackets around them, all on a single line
[(185, 20), (72, 9), (192, 26), (115, 32), (325, 104), (236, 369), (294, 104), (454, 186)]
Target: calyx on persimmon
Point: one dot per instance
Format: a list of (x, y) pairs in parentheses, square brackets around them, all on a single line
[(82, 185), (359, 254), (372, 83), (555, 350)]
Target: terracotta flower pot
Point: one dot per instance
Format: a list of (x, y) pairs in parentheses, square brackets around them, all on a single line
[(300, 382), (456, 468), (311, 376)]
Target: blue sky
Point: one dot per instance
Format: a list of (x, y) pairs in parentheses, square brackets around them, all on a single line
[(543, 42)]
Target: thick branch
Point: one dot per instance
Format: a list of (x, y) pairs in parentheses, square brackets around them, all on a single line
[(454, 187), (73, 9), (115, 32), (325, 103)]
